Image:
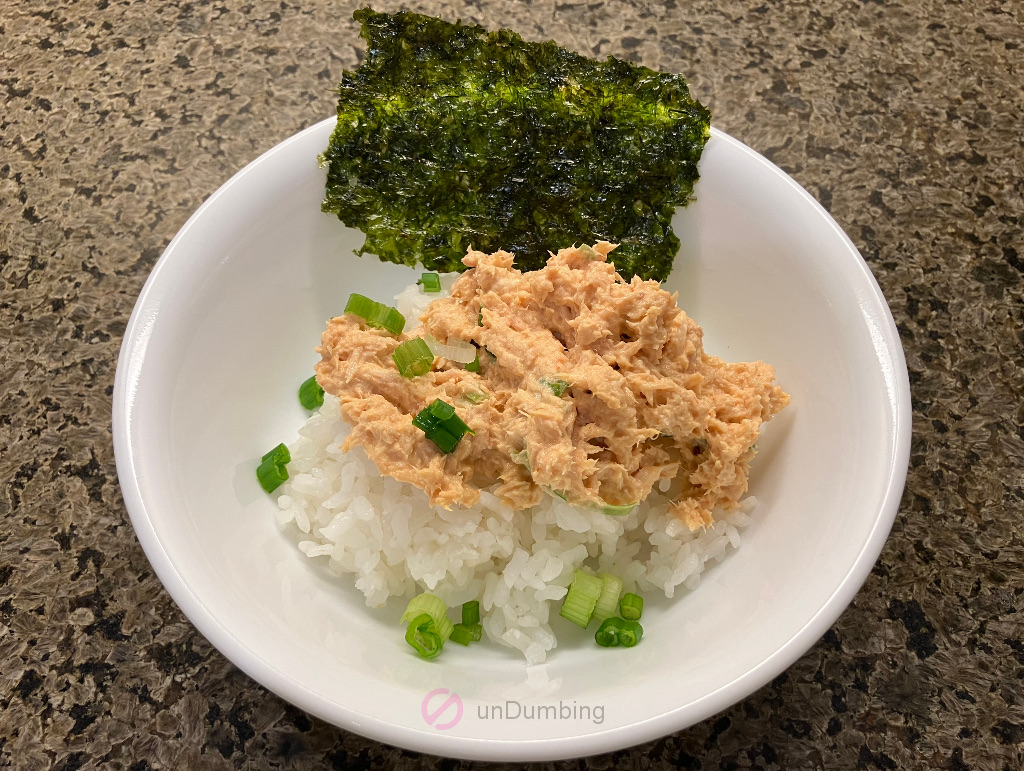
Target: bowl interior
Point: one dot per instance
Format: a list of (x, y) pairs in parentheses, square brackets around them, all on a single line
[(225, 331)]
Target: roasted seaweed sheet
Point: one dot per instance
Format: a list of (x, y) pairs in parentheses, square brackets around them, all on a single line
[(449, 136)]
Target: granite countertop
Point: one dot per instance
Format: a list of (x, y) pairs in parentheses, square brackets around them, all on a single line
[(902, 118)]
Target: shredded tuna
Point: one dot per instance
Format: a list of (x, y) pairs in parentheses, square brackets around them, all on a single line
[(643, 401)]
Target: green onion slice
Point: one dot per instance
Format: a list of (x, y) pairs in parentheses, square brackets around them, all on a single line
[(388, 319), (458, 351), (522, 458), (426, 422), (413, 357), (441, 425), (464, 634), (271, 473), (608, 633), (359, 305), (579, 602), (279, 453), (471, 612), (422, 635), (476, 397), (441, 409), (630, 633), (445, 441), (618, 511), (631, 606), (311, 395), (375, 314), (557, 385), (435, 607), (431, 282), (608, 602), (474, 366)]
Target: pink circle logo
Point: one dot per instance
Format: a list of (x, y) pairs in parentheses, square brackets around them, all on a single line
[(432, 715)]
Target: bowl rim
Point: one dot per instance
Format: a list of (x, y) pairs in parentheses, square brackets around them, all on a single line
[(132, 351)]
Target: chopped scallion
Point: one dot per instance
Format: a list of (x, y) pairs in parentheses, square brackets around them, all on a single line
[(607, 635), (422, 635), (474, 366), (387, 318), (431, 282), (471, 612), (445, 441), (425, 422), (441, 425), (476, 397), (522, 458), (359, 305), (279, 453), (311, 395), (435, 607), (375, 314), (630, 633), (618, 511), (557, 385), (579, 602), (631, 606), (413, 357), (441, 410), (608, 602), (458, 351), (464, 634), (271, 473)]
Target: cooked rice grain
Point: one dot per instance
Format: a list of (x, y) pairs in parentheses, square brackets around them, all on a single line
[(385, 533)]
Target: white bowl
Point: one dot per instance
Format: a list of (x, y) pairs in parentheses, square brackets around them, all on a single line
[(224, 331)]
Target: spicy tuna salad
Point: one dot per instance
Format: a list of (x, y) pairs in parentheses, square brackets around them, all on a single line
[(589, 388), (557, 435)]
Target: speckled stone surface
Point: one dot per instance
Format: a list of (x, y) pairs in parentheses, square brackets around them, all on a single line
[(902, 118)]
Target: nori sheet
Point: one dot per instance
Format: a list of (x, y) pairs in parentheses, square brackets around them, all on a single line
[(450, 136)]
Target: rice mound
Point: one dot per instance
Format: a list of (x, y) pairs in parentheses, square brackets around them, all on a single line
[(516, 563)]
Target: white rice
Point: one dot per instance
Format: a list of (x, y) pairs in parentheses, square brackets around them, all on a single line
[(386, 534)]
